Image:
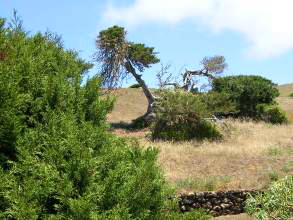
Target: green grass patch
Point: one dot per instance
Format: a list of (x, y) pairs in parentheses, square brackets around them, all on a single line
[(275, 151), (203, 184)]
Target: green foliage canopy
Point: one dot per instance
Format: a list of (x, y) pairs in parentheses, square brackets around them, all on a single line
[(116, 54), (182, 116), (57, 159), (247, 92)]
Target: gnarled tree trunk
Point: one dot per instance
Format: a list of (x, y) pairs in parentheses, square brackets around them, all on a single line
[(150, 113)]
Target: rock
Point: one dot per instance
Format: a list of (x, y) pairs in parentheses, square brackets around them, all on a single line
[(196, 205), (217, 208), (226, 200), (224, 205), (216, 203)]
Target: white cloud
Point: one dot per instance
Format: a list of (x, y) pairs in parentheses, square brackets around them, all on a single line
[(266, 24)]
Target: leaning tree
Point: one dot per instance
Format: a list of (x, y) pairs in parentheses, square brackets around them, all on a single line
[(120, 57)]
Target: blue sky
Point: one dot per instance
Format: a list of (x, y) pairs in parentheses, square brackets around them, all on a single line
[(255, 36)]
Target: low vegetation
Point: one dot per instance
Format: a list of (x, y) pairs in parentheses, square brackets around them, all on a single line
[(254, 97), (183, 116), (250, 155), (276, 203)]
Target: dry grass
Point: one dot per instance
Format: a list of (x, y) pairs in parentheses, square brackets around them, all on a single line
[(286, 104), (285, 90), (285, 101), (250, 157), (130, 104)]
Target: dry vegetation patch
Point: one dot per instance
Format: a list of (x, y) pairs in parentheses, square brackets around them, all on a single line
[(130, 104), (285, 90), (250, 157)]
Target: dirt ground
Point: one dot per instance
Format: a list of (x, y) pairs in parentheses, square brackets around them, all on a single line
[(234, 217)]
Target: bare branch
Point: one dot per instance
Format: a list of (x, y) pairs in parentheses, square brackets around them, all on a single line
[(164, 77)]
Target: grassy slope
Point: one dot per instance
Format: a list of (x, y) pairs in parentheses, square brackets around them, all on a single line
[(285, 101), (286, 89), (251, 155), (130, 104)]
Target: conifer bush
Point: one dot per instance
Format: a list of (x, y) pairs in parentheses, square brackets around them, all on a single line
[(247, 92), (57, 159), (182, 116)]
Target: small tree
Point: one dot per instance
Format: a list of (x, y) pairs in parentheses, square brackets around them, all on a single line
[(119, 58)]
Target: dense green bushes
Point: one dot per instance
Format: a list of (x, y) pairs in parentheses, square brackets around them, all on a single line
[(251, 94), (276, 203), (57, 159), (182, 116), (291, 94), (69, 170)]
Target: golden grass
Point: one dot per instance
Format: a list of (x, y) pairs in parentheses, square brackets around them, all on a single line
[(286, 89), (286, 104), (130, 104), (250, 156)]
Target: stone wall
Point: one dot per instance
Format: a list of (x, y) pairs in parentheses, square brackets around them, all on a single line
[(216, 203)]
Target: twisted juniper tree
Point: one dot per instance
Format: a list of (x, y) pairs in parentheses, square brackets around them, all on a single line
[(212, 67), (120, 57)]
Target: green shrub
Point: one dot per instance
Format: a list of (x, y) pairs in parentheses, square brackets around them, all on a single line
[(135, 86), (247, 92), (57, 159), (218, 103), (181, 116), (272, 114), (291, 95), (276, 203)]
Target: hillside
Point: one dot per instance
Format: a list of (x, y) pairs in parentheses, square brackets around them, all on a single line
[(285, 101), (131, 103), (286, 89)]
